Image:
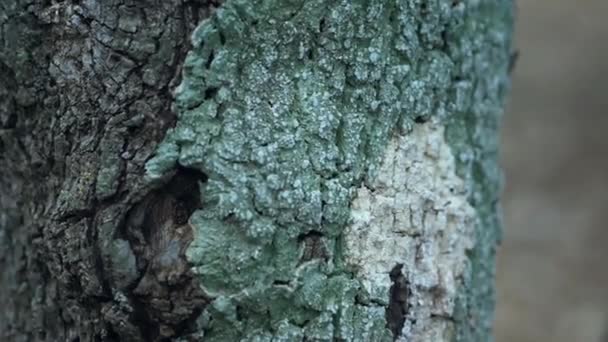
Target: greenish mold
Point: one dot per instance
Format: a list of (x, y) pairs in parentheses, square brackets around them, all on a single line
[(287, 107)]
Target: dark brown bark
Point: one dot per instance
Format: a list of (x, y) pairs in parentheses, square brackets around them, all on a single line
[(85, 96)]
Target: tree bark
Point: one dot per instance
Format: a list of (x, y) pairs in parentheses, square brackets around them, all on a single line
[(250, 170)]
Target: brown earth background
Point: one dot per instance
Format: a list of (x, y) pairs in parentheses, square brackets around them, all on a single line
[(553, 263)]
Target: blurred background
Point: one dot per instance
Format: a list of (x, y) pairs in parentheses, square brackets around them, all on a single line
[(553, 262)]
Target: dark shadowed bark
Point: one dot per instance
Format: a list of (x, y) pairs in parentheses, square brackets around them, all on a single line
[(85, 96)]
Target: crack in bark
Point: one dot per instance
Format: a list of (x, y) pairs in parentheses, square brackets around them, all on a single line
[(313, 246), (398, 306)]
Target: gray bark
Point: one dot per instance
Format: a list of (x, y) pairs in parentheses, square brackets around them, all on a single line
[(85, 97), (92, 250)]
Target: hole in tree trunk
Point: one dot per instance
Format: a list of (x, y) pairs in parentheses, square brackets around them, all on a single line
[(167, 298)]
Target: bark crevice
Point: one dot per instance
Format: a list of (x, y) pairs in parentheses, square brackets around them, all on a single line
[(398, 305), (88, 98)]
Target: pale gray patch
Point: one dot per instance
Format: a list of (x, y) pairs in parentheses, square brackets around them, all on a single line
[(415, 213)]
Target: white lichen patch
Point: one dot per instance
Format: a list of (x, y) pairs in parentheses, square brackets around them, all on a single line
[(414, 213)]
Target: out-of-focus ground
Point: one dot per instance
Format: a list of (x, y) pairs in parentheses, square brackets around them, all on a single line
[(553, 263)]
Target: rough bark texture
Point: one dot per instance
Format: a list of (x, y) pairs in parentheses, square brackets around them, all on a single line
[(85, 97), (327, 170)]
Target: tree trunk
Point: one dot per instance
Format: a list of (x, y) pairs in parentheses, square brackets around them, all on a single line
[(259, 170)]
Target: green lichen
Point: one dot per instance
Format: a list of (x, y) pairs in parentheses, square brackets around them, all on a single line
[(483, 42), (287, 107)]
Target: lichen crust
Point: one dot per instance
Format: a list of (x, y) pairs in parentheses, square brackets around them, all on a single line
[(290, 108)]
